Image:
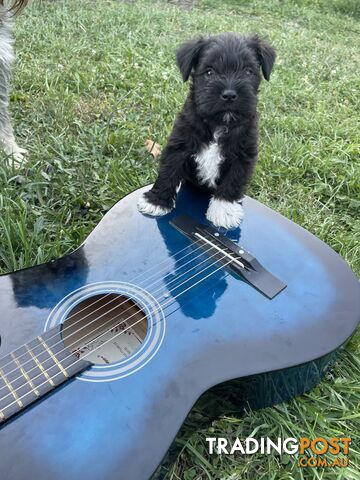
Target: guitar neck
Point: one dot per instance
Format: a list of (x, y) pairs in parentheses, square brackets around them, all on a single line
[(33, 370)]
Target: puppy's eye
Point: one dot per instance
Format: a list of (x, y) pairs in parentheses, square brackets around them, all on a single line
[(249, 71), (209, 72)]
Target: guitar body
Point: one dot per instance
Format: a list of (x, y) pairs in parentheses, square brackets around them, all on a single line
[(118, 420)]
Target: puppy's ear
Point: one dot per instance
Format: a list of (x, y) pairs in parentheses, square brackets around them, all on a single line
[(266, 55), (188, 55)]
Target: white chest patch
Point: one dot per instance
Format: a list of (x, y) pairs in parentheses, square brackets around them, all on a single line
[(208, 163)]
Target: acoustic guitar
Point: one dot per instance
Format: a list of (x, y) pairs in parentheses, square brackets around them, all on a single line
[(105, 351)]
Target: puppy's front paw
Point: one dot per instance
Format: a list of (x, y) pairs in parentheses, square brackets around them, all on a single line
[(20, 154), (148, 208), (224, 214), (11, 148)]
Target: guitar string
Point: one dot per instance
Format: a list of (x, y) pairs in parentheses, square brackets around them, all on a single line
[(96, 319), (204, 251), (111, 320), (118, 334), (134, 278), (107, 303), (166, 304)]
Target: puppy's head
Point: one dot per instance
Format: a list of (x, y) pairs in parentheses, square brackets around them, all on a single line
[(225, 70)]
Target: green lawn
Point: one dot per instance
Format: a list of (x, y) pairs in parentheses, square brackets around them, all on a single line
[(93, 80)]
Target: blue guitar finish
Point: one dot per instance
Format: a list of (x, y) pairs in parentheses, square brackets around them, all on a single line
[(117, 422)]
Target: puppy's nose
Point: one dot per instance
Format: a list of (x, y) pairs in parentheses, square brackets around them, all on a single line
[(228, 95)]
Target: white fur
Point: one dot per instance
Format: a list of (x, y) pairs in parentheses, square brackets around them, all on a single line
[(208, 164), (7, 139), (224, 214), (6, 50), (144, 206), (6, 41), (10, 147)]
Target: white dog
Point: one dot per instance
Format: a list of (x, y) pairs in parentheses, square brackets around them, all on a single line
[(7, 140)]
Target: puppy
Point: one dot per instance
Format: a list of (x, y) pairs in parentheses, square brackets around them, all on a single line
[(214, 139), (7, 139)]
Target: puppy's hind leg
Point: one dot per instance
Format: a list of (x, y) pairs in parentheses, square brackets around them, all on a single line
[(7, 139)]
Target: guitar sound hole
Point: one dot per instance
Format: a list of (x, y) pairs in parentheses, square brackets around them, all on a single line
[(105, 328)]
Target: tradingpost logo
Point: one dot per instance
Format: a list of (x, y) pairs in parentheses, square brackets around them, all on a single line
[(310, 452)]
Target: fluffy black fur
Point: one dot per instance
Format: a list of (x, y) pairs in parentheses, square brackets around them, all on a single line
[(225, 74)]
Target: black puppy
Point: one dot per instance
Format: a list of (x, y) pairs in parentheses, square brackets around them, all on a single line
[(214, 139)]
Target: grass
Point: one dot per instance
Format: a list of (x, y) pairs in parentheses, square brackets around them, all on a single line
[(90, 85)]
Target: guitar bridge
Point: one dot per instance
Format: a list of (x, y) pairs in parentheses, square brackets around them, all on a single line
[(241, 261)]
